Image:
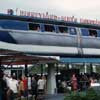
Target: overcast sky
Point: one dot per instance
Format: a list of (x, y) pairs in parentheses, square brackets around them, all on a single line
[(79, 8)]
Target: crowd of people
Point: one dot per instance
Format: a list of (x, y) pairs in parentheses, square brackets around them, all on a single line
[(79, 82), (12, 88)]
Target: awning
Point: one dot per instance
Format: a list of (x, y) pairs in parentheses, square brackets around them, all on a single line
[(79, 60)]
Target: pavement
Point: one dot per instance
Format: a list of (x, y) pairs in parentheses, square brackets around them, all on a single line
[(45, 97), (54, 97)]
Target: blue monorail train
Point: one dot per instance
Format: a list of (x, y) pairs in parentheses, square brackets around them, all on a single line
[(48, 37)]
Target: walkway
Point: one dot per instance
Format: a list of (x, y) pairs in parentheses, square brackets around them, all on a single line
[(46, 97), (54, 97)]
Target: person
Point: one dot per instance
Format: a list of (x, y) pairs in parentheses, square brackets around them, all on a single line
[(93, 34), (64, 86), (20, 87), (38, 28), (25, 85), (91, 81), (41, 85), (13, 88), (34, 88), (74, 83), (45, 83), (29, 84), (8, 80), (3, 86)]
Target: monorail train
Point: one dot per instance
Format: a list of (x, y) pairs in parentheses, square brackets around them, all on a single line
[(48, 37)]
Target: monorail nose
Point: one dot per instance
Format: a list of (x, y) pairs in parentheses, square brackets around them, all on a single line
[(6, 37)]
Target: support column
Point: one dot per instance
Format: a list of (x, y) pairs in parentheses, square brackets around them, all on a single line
[(26, 69), (41, 69), (51, 80), (57, 69), (70, 66), (94, 68), (85, 68), (91, 68), (0, 64)]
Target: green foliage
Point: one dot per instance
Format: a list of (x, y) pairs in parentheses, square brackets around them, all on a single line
[(90, 95), (67, 97), (77, 97), (73, 96)]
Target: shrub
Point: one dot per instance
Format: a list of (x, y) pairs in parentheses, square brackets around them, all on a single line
[(90, 95)]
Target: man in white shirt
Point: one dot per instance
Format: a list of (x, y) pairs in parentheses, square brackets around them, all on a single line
[(13, 87), (41, 85)]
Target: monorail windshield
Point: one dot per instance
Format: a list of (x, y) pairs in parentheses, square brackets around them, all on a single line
[(13, 24)]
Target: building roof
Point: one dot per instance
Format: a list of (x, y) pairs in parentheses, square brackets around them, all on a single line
[(8, 57)]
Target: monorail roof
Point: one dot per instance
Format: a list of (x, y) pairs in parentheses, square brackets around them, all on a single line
[(47, 21)]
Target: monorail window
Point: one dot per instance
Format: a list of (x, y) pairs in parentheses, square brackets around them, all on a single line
[(89, 32), (63, 29), (84, 32), (49, 28), (92, 33), (98, 33), (72, 30), (34, 26)]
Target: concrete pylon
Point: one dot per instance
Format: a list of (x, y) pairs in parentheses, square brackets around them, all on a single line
[(85, 68), (26, 69), (94, 68), (70, 66), (51, 79)]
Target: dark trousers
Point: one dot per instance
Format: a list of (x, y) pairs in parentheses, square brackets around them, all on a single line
[(34, 93)]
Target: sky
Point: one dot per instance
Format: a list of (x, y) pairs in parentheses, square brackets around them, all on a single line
[(89, 9)]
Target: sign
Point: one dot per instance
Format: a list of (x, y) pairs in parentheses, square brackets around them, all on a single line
[(53, 17), (10, 11)]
